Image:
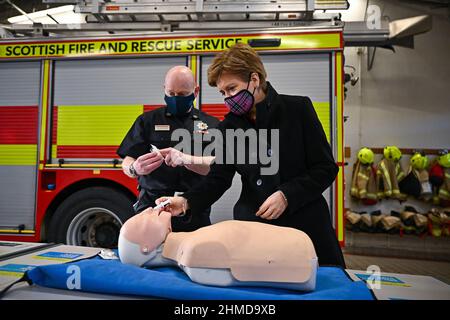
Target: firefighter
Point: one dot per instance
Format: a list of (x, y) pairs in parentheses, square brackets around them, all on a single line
[(292, 195), (148, 154)]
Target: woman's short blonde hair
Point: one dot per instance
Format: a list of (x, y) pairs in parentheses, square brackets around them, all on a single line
[(240, 60)]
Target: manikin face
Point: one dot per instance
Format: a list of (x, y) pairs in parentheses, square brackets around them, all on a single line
[(147, 229)]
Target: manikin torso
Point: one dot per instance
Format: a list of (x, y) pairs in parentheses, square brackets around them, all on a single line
[(228, 253)]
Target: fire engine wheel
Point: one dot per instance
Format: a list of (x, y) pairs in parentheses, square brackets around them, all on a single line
[(90, 217)]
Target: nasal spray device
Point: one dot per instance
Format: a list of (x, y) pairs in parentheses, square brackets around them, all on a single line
[(162, 204), (153, 148)]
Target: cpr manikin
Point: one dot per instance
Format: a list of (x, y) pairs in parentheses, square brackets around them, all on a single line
[(228, 253)]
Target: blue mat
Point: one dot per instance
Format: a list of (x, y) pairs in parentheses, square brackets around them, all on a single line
[(113, 277)]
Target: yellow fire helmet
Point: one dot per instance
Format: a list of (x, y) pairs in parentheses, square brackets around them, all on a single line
[(444, 160), (365, 156), (392, 153), (419, 161)]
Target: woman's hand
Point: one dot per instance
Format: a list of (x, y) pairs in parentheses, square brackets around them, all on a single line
[(177, 206), (273, 207), (197, 164), (174, 157)]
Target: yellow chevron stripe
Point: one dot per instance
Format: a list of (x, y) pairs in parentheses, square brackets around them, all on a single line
[(95, 125), (18, 154)]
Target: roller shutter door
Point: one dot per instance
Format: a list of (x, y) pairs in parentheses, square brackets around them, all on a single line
[(19, 116)]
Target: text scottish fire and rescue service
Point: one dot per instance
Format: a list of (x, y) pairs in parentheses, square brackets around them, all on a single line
[(128, 46)]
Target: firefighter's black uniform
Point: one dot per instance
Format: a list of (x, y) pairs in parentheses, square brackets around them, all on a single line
[(306, 170), (155, 128)]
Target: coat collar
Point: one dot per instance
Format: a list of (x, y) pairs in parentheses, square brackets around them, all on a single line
[(270, 97)]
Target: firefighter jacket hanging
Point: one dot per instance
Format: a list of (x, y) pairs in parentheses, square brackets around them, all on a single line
[(364, 185)]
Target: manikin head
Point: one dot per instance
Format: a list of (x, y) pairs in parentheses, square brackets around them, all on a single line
[(142, 234)]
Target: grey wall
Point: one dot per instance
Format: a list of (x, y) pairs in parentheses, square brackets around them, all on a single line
[(405, 99)]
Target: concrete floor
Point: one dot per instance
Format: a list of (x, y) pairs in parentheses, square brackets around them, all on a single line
[(396, 246), (436, 269)]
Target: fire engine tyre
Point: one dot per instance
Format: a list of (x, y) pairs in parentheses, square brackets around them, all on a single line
[(90, 217)]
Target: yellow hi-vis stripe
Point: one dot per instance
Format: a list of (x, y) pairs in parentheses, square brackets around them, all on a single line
[(44, 106), (385, 172), (54, 150), (16, 231), (193, 67), (95, 125), (164, 45), (340, 146), (18, 154), (444, 194), (324, 114), (340, 204), (363, 176), (340, 133)]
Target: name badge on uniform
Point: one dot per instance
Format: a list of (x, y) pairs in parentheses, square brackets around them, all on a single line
[(162, 127)]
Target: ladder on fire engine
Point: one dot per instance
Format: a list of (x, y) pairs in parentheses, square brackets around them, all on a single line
[(198, 9), (115, 16), (156, 16)]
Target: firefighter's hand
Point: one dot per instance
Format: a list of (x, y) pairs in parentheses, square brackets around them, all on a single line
[(148, 163), (273, 207), (174, 157), (177, 206)]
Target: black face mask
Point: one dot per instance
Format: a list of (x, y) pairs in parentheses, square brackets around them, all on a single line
[(179, 105)]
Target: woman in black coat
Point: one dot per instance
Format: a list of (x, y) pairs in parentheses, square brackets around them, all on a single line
[(292, 195)]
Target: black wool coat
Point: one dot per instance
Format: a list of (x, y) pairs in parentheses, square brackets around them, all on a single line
[(306, 169)]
